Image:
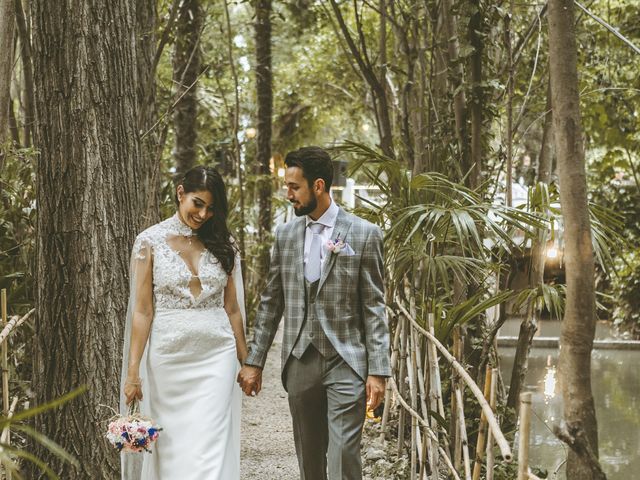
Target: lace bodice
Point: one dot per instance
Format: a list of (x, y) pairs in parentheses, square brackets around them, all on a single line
[(173, 281)]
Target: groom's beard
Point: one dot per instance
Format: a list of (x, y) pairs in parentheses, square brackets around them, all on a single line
[(306, 209)]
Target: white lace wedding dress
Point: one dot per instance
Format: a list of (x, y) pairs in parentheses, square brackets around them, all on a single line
[(189, 366)]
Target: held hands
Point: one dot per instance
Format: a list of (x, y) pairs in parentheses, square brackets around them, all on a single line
[(133, 389), (250, 380), (375, 391)]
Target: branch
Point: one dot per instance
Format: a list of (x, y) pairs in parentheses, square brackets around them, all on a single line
[(14, 323), (365, 67), (164, 38), (608, 27)]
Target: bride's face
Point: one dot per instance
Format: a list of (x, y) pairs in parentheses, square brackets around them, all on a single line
[(195, 208)]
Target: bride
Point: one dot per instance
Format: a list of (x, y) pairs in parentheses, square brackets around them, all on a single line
[(184, 338)]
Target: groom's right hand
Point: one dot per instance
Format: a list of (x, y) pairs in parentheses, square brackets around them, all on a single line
[(250, 380)]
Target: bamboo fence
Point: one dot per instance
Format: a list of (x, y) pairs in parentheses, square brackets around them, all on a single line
[(416, 390), (8, 327)]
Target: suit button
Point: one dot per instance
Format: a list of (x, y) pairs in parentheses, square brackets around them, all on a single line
[(311, 335)]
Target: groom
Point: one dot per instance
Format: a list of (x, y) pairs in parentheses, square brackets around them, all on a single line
[(326, 276)]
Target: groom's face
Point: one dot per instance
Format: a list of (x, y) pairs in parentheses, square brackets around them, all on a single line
[(299, 193)]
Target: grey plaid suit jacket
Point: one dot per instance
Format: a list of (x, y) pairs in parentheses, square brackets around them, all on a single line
[(350, 300)]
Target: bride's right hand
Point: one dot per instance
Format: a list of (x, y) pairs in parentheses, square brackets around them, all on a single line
[(133, 389)]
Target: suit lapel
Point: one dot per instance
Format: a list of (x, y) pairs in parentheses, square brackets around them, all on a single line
[(340, 230)]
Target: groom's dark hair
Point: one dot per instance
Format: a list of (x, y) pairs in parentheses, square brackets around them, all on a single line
[(314, 162)]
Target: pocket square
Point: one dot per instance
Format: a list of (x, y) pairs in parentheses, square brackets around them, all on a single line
[(347, 251)]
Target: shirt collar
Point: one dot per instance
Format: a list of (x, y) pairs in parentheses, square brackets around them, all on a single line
[(328, 218)]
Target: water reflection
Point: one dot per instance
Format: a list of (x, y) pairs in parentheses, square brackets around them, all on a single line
[(549, 381), (616, 387)]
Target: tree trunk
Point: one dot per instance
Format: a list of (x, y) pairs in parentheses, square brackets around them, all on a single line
[(578, 327), (536, 273), (377, 85), (27, 70), (89, 211), (264, 90), (7, 22), (477, 97), (456, 77), (186, 67), (545, 159), (146, 22)]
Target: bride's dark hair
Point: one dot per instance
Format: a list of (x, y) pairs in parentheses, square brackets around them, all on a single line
[(214, 233)]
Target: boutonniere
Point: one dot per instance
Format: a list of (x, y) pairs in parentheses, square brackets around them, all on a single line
[(338, 245)]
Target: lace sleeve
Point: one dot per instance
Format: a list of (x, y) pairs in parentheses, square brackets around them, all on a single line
[(142, 248)]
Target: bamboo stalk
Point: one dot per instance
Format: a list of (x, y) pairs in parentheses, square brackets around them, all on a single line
[(403, 356), (388, 392), (5, 438), (457, 352), (492, 403), (14, 323), (4, 351), (427, 446), (5, 357), (463, 433), (480, 443), (523, 442), (505, 450), (426, 426), (413, 390)]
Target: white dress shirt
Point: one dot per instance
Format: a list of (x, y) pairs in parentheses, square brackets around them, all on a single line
[(328, 219)]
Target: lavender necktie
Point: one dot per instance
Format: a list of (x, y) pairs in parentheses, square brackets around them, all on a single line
[(312, 267)]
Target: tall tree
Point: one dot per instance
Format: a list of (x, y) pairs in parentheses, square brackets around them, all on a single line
[(374, 80), (578, 327), (264, 90), (476, 25), (89, 210), (529, 325), (151, 143), (7, 22), (186, 68)]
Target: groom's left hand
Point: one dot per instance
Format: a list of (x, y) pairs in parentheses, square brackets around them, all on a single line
[(375, 391)]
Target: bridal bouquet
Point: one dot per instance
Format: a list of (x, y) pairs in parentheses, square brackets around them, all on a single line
[(132, 433)]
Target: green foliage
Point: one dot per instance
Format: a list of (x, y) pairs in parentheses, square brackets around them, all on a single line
[(10, 455), (17, 226), (439, 234), (614, 186)]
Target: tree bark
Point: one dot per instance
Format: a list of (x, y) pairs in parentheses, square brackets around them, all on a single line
[(578, 327), (7, 22), (264, 91), (186, 67), (89, 211), (27, 70), (477, 97), (146, 23), (545, 159), (456, 77)]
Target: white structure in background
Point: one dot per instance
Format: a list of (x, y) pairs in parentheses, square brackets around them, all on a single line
[(349, 194)]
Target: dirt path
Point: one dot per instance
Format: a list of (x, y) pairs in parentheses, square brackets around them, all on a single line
[(267, 451)]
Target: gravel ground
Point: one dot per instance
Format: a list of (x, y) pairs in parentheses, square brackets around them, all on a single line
[(268, 452)]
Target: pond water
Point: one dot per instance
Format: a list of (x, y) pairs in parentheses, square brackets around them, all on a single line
[(616, 388)]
